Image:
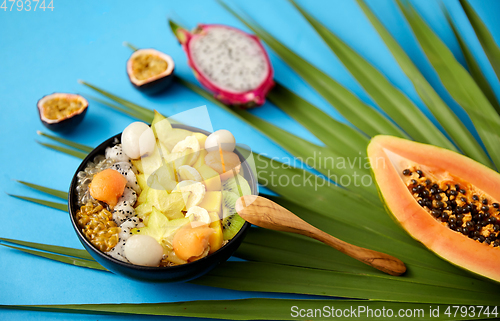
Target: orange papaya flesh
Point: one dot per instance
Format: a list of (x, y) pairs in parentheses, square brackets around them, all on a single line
[(446, 201)]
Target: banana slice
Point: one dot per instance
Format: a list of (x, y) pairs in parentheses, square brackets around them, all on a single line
[(192, 191), (198, 216), (185, 152), (188, 142), (187, 172)]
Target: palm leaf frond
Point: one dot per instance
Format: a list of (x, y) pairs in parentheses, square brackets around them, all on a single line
[(59, 258), (457, 81), (81, 147), (446, 117), (335, 135), (242, 309), (393, 101), (50, 191), (144, 112), (65, 251), (58, 206), (473, 66), (483, 34), (130, 112), (65, 150)]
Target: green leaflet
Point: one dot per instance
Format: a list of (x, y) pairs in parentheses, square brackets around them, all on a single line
[(65, 251), (394, 102), (131, 112), (131, 46), (50, 191), (256, 276), (458, 82), (66, 142), (60, 258), (142, 111), (337, 136), (483, 34), (65, 150), (474, 68), (322, 159), (446, 117), (362, 116), (251, 309), (58, 206)]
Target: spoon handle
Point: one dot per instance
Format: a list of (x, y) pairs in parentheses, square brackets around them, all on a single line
[(265, 213), (381, 261)]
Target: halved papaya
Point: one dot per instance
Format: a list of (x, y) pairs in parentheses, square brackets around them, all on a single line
[(445, 200)]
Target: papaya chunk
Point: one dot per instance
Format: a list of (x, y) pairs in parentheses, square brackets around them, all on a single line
[(446, 201)]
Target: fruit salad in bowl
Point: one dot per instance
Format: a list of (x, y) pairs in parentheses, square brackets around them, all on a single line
[(158, 202)]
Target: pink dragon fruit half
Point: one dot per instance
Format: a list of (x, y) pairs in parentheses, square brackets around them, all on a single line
[(229, 62)]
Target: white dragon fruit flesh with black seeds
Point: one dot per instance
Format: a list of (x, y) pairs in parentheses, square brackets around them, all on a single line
[(128, 171), (229, 62), (122, 212), (116, 153)]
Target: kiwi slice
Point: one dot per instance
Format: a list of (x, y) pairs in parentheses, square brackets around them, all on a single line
[(231, 221), (237, 185)]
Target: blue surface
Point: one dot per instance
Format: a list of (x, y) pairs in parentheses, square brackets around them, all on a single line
[(44, 52)]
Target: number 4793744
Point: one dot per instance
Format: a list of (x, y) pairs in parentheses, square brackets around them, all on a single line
[(26, 5)]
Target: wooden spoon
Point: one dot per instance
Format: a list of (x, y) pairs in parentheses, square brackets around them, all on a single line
[(265, 213)]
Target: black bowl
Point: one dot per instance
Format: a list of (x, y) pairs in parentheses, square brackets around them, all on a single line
[(177, 273)]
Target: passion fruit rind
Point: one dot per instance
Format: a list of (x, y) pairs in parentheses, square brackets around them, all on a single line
[(150, 70), (61, 111)]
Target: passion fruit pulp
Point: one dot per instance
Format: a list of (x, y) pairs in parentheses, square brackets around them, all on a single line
[(150, 70), (62, 112)]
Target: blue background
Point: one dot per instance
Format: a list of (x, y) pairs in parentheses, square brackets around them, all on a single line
[(45, 52)]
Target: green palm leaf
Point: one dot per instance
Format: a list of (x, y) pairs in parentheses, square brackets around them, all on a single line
[(50, 191), (58, 206), (337, 136), (256, 276), (65, 150), (457, 81), (246, 309), (60, 258), (65, 251), (130, 112), (143, 112), (66, 142), (394, 102), (446, 117), (473, 66), (483, 34), (315, 156), (351, 107)]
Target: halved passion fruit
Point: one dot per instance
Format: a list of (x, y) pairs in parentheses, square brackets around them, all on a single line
[(150, 70), (61, 112)]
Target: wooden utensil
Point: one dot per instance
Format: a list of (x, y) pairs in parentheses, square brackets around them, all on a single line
[(265, 213)]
